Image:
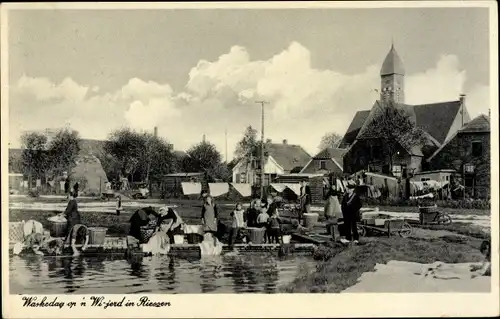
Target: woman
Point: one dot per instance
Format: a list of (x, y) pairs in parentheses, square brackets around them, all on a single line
[(209, 217), (351, 204), (305, 199), (332, 210), (71, 214), (173, 220), (79, 233), (141, 217)]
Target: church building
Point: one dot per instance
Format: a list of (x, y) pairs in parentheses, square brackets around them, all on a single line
[(438, 121)]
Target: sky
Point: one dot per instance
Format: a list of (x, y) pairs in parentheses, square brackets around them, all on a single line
[(196, 72)]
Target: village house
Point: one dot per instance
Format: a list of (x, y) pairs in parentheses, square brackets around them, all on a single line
[(439, 122), (467, 153), (280, 159), (328, 161)]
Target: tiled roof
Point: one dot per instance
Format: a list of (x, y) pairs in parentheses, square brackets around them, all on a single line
[(330, 152), (288, 156), (353, 130), (477, 125), (392, 64), (437, 118)]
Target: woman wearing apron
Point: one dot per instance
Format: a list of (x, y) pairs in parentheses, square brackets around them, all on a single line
[(209, 218)]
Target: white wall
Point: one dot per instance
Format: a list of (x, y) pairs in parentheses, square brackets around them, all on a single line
[(270, 167)]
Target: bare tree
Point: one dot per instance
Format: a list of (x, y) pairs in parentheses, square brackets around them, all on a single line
[(330, 139)]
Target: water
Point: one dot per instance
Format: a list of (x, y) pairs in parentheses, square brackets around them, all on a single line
[(240, 274)]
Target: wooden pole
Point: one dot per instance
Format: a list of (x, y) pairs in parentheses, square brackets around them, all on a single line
[(262, 148)]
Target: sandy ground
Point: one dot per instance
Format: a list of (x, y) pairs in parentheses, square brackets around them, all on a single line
[(401, 276)]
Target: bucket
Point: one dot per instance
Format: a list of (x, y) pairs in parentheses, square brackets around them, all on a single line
[(58, 229), (194, 238), (256, 235), (310, 220), (97, 235), (286, 239), (16, 232), (178, 239)]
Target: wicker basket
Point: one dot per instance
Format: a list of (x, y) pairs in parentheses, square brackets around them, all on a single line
[(146, 233), (58, 229), (97, 235), (16, 232)]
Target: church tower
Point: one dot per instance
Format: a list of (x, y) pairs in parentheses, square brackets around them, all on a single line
[(392, 76)]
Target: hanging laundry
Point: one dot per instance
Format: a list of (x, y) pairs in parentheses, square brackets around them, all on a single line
[(340, 185), (244, 189), (278, 187), (294, 188), (218, 189), (189, 188)]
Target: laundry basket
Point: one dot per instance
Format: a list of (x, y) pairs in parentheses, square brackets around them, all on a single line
[(57, 229), (16, 232), (256, 235), (310, 220), (97, 235), (146, 233)]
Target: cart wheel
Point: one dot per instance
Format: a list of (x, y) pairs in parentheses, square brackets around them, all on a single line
[(444, 219), (361, 231), (406, 230)]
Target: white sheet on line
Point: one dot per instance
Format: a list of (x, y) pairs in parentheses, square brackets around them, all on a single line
[(278, 187), (218, 189), (244, 189), (340, 185), (191, 188), (294, 188)]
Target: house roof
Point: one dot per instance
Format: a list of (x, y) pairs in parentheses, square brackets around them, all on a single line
[(392, 63), (337, 154), (437, 118), (288, 156), (480, 124), (353, 130)]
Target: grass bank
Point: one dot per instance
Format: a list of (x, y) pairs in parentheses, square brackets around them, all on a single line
[(341, 267)]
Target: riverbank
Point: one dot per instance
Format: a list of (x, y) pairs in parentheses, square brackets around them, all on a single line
[(341, 267)]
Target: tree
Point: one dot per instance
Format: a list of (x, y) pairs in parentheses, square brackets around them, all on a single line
[(331, 139), (394, 129), (248, 148), (63, 151), (204, 157), (34, 158), (138, 156)]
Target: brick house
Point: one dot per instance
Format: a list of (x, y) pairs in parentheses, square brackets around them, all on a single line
[(439, 121), (468, 154), (327, 161)]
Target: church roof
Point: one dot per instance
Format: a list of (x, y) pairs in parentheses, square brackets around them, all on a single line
[(353, 130), (392, 63)]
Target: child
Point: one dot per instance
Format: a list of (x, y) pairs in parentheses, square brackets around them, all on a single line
[(263, 218), (273, 231), (237, 224), (118, 205), (485, 268)]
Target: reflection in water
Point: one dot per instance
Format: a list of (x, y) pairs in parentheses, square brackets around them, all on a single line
[(91, 275)]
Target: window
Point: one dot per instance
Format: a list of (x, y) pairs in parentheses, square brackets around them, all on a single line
[(322, 164), (425, 179), (447, 177), (477, 148), (396, 170)]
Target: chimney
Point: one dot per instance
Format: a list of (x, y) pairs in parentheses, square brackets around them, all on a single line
[(462, 107), (285, 142), (155, 132)]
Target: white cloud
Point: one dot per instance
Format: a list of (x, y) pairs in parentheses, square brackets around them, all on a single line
[(305, 102)]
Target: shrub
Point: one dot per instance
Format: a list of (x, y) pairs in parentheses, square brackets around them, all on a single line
[(453, 203), (34, 192)]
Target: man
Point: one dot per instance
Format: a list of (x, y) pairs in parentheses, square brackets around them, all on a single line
[(66, 187), (305, 199), (351, 204)]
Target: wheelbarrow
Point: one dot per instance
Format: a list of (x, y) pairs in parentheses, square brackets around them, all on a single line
[(430, 215), (390, 227)]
